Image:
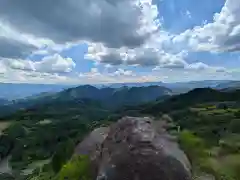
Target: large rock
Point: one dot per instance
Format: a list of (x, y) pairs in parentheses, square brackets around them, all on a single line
[(92, 146), (92, 142), (135, 149)]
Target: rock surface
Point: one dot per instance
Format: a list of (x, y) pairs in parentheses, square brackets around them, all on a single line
[(135, 149)]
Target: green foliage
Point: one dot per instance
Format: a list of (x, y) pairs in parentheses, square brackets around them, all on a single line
[(62, 155), (6, 177), (15, 131), (226, 168), (235, 125), (222, 167), (193, 146), (28, 141), (78, 168), (237, 114), (194, 97), (230, 144)]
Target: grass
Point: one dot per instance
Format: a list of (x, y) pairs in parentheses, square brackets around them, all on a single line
[(210, 161), (224, 168)]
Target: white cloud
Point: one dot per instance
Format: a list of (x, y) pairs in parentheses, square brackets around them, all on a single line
[(94, 76), (115, 23), (120, 32), (199, 66), (55, 63), (223, 34), (188, 14), (122, 72), (3, 68), (147, 55), (162, 74), (20, 76), (50, 64), (94, 70)]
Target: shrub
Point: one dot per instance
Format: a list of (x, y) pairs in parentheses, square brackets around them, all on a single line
[(78, 168), (193, 146)]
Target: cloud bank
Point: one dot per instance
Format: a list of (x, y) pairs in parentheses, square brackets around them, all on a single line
[(118, 33)]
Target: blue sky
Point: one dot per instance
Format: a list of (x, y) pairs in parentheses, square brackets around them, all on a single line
[(104, 41), (181, 15)]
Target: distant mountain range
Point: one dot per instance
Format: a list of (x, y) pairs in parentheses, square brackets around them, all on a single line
[(17, 91), (183, 87), (232, 85), (109, 98)]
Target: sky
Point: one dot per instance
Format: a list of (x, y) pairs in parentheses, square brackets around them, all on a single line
[(109, 41)]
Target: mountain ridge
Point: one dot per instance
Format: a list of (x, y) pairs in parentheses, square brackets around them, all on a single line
[(13, 91), (196, 96), (110, 98)]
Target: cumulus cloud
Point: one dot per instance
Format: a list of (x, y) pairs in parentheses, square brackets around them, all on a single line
[(163, 74), (19, 76), (122, 72), (199, 66), (141, 56), (117, 32), (194, 67), (223, 34), (3, 68), (55, 63), (94, 76), (49, 64), (115, 23)]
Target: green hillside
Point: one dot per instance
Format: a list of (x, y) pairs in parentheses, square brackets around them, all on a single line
[(203, 118)]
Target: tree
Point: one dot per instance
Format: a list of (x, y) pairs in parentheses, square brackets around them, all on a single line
[(235, 126), (62, 155)]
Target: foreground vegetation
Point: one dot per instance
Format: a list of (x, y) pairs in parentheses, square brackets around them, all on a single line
[(210, 136), (34, 135)]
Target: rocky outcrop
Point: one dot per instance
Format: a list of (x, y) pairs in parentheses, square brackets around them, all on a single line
[(135, 149)]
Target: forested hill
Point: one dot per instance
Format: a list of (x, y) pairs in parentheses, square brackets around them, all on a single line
[(109, 98), (115, 97), (194, 97)]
